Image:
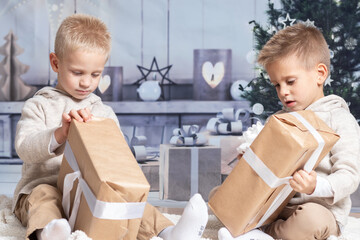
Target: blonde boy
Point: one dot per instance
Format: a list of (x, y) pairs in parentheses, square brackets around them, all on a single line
[(82, 47), (297, 60)]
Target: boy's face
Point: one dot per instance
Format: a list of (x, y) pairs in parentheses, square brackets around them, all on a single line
[(296, 86), (79, 72)]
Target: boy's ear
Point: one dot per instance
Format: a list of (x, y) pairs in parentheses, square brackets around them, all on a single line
[(54, 62), (322, 72)]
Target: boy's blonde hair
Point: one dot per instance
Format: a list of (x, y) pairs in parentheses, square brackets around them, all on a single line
[(307, 42), (84, 32)]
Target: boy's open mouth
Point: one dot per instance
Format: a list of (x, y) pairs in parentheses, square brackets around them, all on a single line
[(290, 103)]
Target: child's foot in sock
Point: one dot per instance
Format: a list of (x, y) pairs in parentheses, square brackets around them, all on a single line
[(256, 234), (192, 222), (57, 229)]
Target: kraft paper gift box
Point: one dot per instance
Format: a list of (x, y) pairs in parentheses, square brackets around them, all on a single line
[(151, 172), (255, 192), (185, 171), (229, 153), (224, 131), (114, 189)]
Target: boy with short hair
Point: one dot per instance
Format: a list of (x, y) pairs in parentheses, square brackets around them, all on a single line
[(82, 47), (297, 61)]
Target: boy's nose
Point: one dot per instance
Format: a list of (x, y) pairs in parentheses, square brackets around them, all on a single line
[(284, 91), (85, 82)]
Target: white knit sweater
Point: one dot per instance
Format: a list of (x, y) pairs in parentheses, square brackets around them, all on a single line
[(40, 116)]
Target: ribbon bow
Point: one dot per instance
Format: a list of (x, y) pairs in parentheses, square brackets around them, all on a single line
[(139, 150), (228, 121), (137, 146), (187, 136), (249, 135)]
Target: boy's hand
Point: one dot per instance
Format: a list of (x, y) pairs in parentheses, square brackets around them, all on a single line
[(81, 115), (304, 182)]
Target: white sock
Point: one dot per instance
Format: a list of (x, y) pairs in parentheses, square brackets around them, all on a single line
[(192, 222), (256, 234), (57, 229)]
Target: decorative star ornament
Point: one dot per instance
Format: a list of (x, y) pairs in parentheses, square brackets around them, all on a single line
[(145, 72), (154, 68), (328, 81), (309, 23), (288, 21)]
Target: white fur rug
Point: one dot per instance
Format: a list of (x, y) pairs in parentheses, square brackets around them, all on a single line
[(11, 228)]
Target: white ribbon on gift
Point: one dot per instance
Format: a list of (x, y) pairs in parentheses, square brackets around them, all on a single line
[(228, 121), (99, 209), (272, 180), (137, 146), (194, 176), (188, 135), (194, 171)]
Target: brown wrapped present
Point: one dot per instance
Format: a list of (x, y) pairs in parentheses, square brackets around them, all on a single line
[(151, 172), (255, 192), (110, 191), (229, 153)]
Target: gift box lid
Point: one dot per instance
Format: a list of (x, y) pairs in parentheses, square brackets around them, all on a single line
[(310, 116)]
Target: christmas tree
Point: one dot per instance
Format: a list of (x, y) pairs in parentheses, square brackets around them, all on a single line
[(339, 22), (12, 88)]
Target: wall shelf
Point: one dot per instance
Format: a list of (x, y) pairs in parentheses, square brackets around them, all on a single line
[(158, 107), (155, 120)]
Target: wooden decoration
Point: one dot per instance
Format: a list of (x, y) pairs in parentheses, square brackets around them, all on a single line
[(110, 85), (12, 88), (212, 74)]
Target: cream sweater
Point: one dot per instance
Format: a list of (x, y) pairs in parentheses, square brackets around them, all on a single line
[(341, 168), (40, 116)]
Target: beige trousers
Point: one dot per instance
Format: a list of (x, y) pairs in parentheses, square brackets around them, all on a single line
[(43, 204), (308, 221)]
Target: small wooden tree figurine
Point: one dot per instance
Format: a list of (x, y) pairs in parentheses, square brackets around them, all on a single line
[(12, 88)]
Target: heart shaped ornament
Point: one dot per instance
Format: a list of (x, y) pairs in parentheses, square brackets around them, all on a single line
[(104, 83), (213, 75)]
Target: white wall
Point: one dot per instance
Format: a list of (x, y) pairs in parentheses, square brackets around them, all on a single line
[(192, 24)]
